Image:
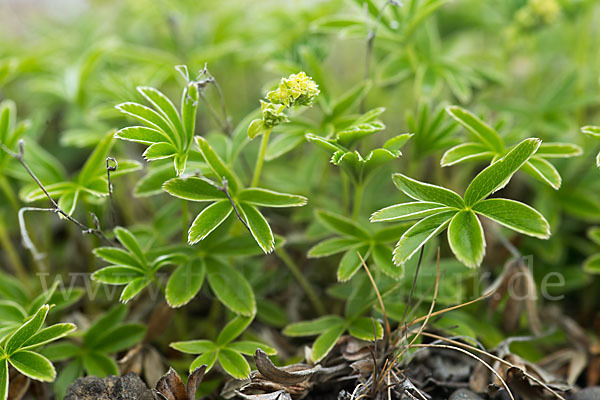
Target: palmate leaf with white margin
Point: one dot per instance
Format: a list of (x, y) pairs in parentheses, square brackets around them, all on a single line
[(489, 145), (437, 208), (593, 131), (92, 179), (228, 353), (167, 131), (129, 266), (351, 238), (20, 350), (358, 167), (246, 200), (90, 351), (330, 328)]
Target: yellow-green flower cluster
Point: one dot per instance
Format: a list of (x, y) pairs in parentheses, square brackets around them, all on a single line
[(272, 114), (296, 90), (538, 12)]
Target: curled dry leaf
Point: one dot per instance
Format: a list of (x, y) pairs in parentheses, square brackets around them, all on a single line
[(171, 387)]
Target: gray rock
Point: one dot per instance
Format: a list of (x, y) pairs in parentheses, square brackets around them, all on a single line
[(592, 393), (464, 394), (127, 387)]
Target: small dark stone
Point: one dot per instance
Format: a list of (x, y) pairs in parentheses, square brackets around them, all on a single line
[(464, 394), (592, 393), (127, 387)]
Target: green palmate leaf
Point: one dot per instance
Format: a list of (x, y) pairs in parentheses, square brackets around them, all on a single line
[(314, 327), (412, 240), (33, 365), (558, 150), (515, 215), (208, 220), (350, 98), (26, 331), (96, 162), (194, 346), (233, 329), (497, 175), (234, 363), (12, 311), (382, 256), (152, 182), (477, 127), (185, 282), (103, 324), (141, 134), (130, 243), (269, 198), (326, 341), (261, 231), (464, 152), (350, 135), (60, 351), (207, 359), (592, 264), (231, 288), (544, 171), (408, 211), (248, 347), (465, 236), (119, 338), (3, 378), (12, 289), (365, 328), (134, 287), (149, 117), (165, 107), (426, 192), (48, 335), (100, 365), (283, 144), (118, 256), (331, 246), (117, 275), (68, 375), (351, 263), (217, 165), (159, 151), (342, 225), (194, 189)]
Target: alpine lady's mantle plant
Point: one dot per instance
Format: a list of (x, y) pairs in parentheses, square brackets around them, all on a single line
[(20, 349), (437, 208)]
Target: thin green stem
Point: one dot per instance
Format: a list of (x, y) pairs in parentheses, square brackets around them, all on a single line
[(312, 295), (261, 157), (358, 194), (12, 255)]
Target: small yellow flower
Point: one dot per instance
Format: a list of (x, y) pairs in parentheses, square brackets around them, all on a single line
[(297, 89)]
